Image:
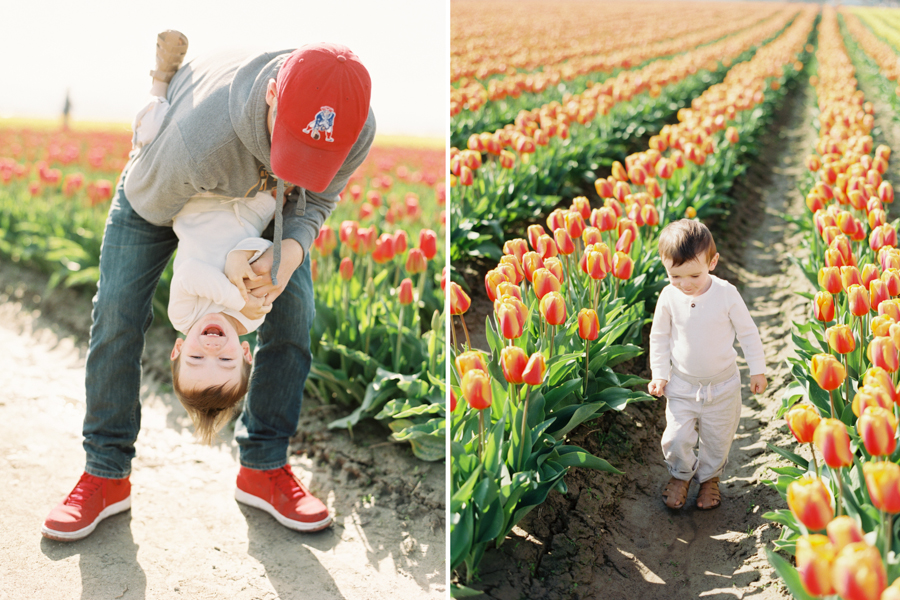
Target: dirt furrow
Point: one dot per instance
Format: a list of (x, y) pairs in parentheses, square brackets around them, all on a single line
[(611, 537)]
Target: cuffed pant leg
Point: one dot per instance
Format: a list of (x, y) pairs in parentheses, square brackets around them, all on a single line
[(680, 437), (133, 256)]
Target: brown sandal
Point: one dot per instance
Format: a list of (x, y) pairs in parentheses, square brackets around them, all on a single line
[(675, 493), (709, 497)]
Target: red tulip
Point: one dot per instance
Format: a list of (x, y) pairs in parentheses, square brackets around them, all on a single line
[(346, 269), (428, 243), (326, 242), (416, 262), (405, 292)]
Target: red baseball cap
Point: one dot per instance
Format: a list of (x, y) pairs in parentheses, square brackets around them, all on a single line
[(323, 93)]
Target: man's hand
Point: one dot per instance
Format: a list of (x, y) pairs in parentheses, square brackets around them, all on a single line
[(237, 268), (758, 384), (657, 387), (291, 258), (255, 308)]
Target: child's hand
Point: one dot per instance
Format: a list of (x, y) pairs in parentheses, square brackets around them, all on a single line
[(237, 268), (657, 387), (758, 384), (255, 308)]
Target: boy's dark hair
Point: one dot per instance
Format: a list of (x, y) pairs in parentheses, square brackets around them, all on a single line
[(210, 408), (684, 240)]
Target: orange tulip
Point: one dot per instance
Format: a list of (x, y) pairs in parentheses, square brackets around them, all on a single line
[(828, 372), (622, 266), (535, 369), (833, 443), (823, 307), (553, 307), (471, 360), (476, 389), (491, 279), (830, 279), (531, 262), (876, 428), (508, 320), (815, 555), (405, 292), (858, 573), (802, 420), (346, 268), (513, 361), (843, 530), (858, 299), (840, 339), (459, 300), (810, 502), (545, 282), (883, 353), (588, 324)]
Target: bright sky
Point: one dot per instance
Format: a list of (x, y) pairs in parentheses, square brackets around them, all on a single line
[(103, 50)]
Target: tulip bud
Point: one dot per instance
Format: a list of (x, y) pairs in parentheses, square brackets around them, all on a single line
[(858, 300), (428, 243), (843, 530), (588, 324), (545, 282), (623, 266), (814, 556), (810, 502), (459, 300), (513, 360), (876, 428), (470, 360), (833, 443), (346, 269), (553, 307), (823, 307), (476, 389), (416, 262), (405, 292), (517, 271), (564, 242), (883, 353), (574, 223), (534, 369), (546, 247), (858, 573), (534, 232), (840, 339), (591, 235), (830, 279), (802, 420), (555, 267), (850, 276), (515, 247)]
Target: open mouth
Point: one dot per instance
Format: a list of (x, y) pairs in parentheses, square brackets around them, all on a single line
[(213, 330)]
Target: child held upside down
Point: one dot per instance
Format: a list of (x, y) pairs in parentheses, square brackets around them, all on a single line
[(692, 359), (218, 239)]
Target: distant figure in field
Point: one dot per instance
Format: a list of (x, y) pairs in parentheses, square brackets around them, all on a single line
[(67, 108)]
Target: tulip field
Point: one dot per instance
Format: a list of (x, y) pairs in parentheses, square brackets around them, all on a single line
[(569, 157), (378, 341)]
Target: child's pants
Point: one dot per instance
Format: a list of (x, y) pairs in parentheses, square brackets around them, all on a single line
[(713, 406)]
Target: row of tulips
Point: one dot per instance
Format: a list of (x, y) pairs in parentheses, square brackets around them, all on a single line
[(876, 54), (839, 524), (480, 106), (567, 309), (495, 185), (377, 342)]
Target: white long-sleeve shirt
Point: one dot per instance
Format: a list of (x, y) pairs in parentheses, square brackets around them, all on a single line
[(695, 334), (208, 229)]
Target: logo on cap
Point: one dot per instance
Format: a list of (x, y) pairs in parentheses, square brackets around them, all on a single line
[(322, 123)]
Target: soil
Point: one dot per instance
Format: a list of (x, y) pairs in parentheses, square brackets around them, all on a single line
[(185, 536), (611, 536)]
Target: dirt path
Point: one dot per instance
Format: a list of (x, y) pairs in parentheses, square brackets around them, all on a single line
[(611, 537), (185, 536)]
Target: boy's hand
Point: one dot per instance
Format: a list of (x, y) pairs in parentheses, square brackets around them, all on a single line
[(255, 308), (758, 384), (237, 268), (657, 387), (291, 258)]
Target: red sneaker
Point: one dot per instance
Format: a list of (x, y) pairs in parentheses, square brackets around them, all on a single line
[(92, 500), (281, 494)]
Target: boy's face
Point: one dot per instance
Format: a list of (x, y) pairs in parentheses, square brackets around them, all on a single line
[(691, 278), (212, 354)]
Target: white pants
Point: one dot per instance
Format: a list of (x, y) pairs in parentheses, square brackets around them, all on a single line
[(708, 410)]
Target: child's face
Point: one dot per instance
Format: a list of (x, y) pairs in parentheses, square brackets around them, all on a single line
[(691, 278), (212, 354)]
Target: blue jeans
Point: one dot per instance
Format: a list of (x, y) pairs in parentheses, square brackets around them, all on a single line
[(132, 259)]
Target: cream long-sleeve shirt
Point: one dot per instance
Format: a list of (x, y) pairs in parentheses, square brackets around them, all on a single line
[(208, 229), (695, 334)]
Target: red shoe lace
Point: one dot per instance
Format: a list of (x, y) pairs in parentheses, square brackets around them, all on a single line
[(288, 483), (85, 488)]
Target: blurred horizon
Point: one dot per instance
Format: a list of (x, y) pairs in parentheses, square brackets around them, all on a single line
[(101, 52)]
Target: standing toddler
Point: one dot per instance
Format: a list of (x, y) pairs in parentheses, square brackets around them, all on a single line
[(692, 359)]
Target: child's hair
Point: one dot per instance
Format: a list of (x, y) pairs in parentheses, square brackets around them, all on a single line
[(210, 408), (684, 240)]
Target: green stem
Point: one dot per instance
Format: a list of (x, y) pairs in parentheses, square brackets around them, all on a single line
[(812, 449), (466, 330), (888, 534), (587, 362), (399, 340), (831, 398), (524, 422), (453, 334), (481, 433)]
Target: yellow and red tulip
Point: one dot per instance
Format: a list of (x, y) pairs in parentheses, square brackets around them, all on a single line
[(810, 502), (476, 389), (814, 556), (823, 307), (623, 266), (833, 443), (883, 353), (588, 324), (830, 279), (876, 427), (553, 307), (858, 300), (828, 372), (459, 300), (840, 339), (512, 361), (468, 361), (535, 369), (802, 420), (545, 282), (858, 572)]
